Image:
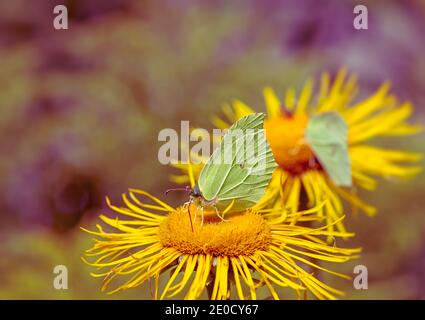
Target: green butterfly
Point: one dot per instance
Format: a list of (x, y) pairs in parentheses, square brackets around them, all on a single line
[(327, 134), (238, 172), (240, 168)]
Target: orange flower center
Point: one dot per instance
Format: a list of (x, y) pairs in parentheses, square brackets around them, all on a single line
[(242, 234), (286, 136)]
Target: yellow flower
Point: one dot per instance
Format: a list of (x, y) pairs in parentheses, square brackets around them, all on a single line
[(298, 173), (227, 259)]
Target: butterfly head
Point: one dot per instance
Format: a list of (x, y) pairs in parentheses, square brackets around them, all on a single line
[(196, 192)]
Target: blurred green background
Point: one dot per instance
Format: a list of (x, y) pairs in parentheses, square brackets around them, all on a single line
[(81, 110)]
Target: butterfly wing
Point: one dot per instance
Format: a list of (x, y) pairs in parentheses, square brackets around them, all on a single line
[(241, 167), (327, 134)]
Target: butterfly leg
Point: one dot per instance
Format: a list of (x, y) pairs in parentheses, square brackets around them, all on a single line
[(190, 216), (196, 215), (218, 214), (202, 216)]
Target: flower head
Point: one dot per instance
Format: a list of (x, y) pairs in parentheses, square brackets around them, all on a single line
[(300, 173), (231, 258)]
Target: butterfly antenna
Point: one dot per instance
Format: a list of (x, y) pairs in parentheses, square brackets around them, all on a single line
[(185, 189), (190, 216)]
